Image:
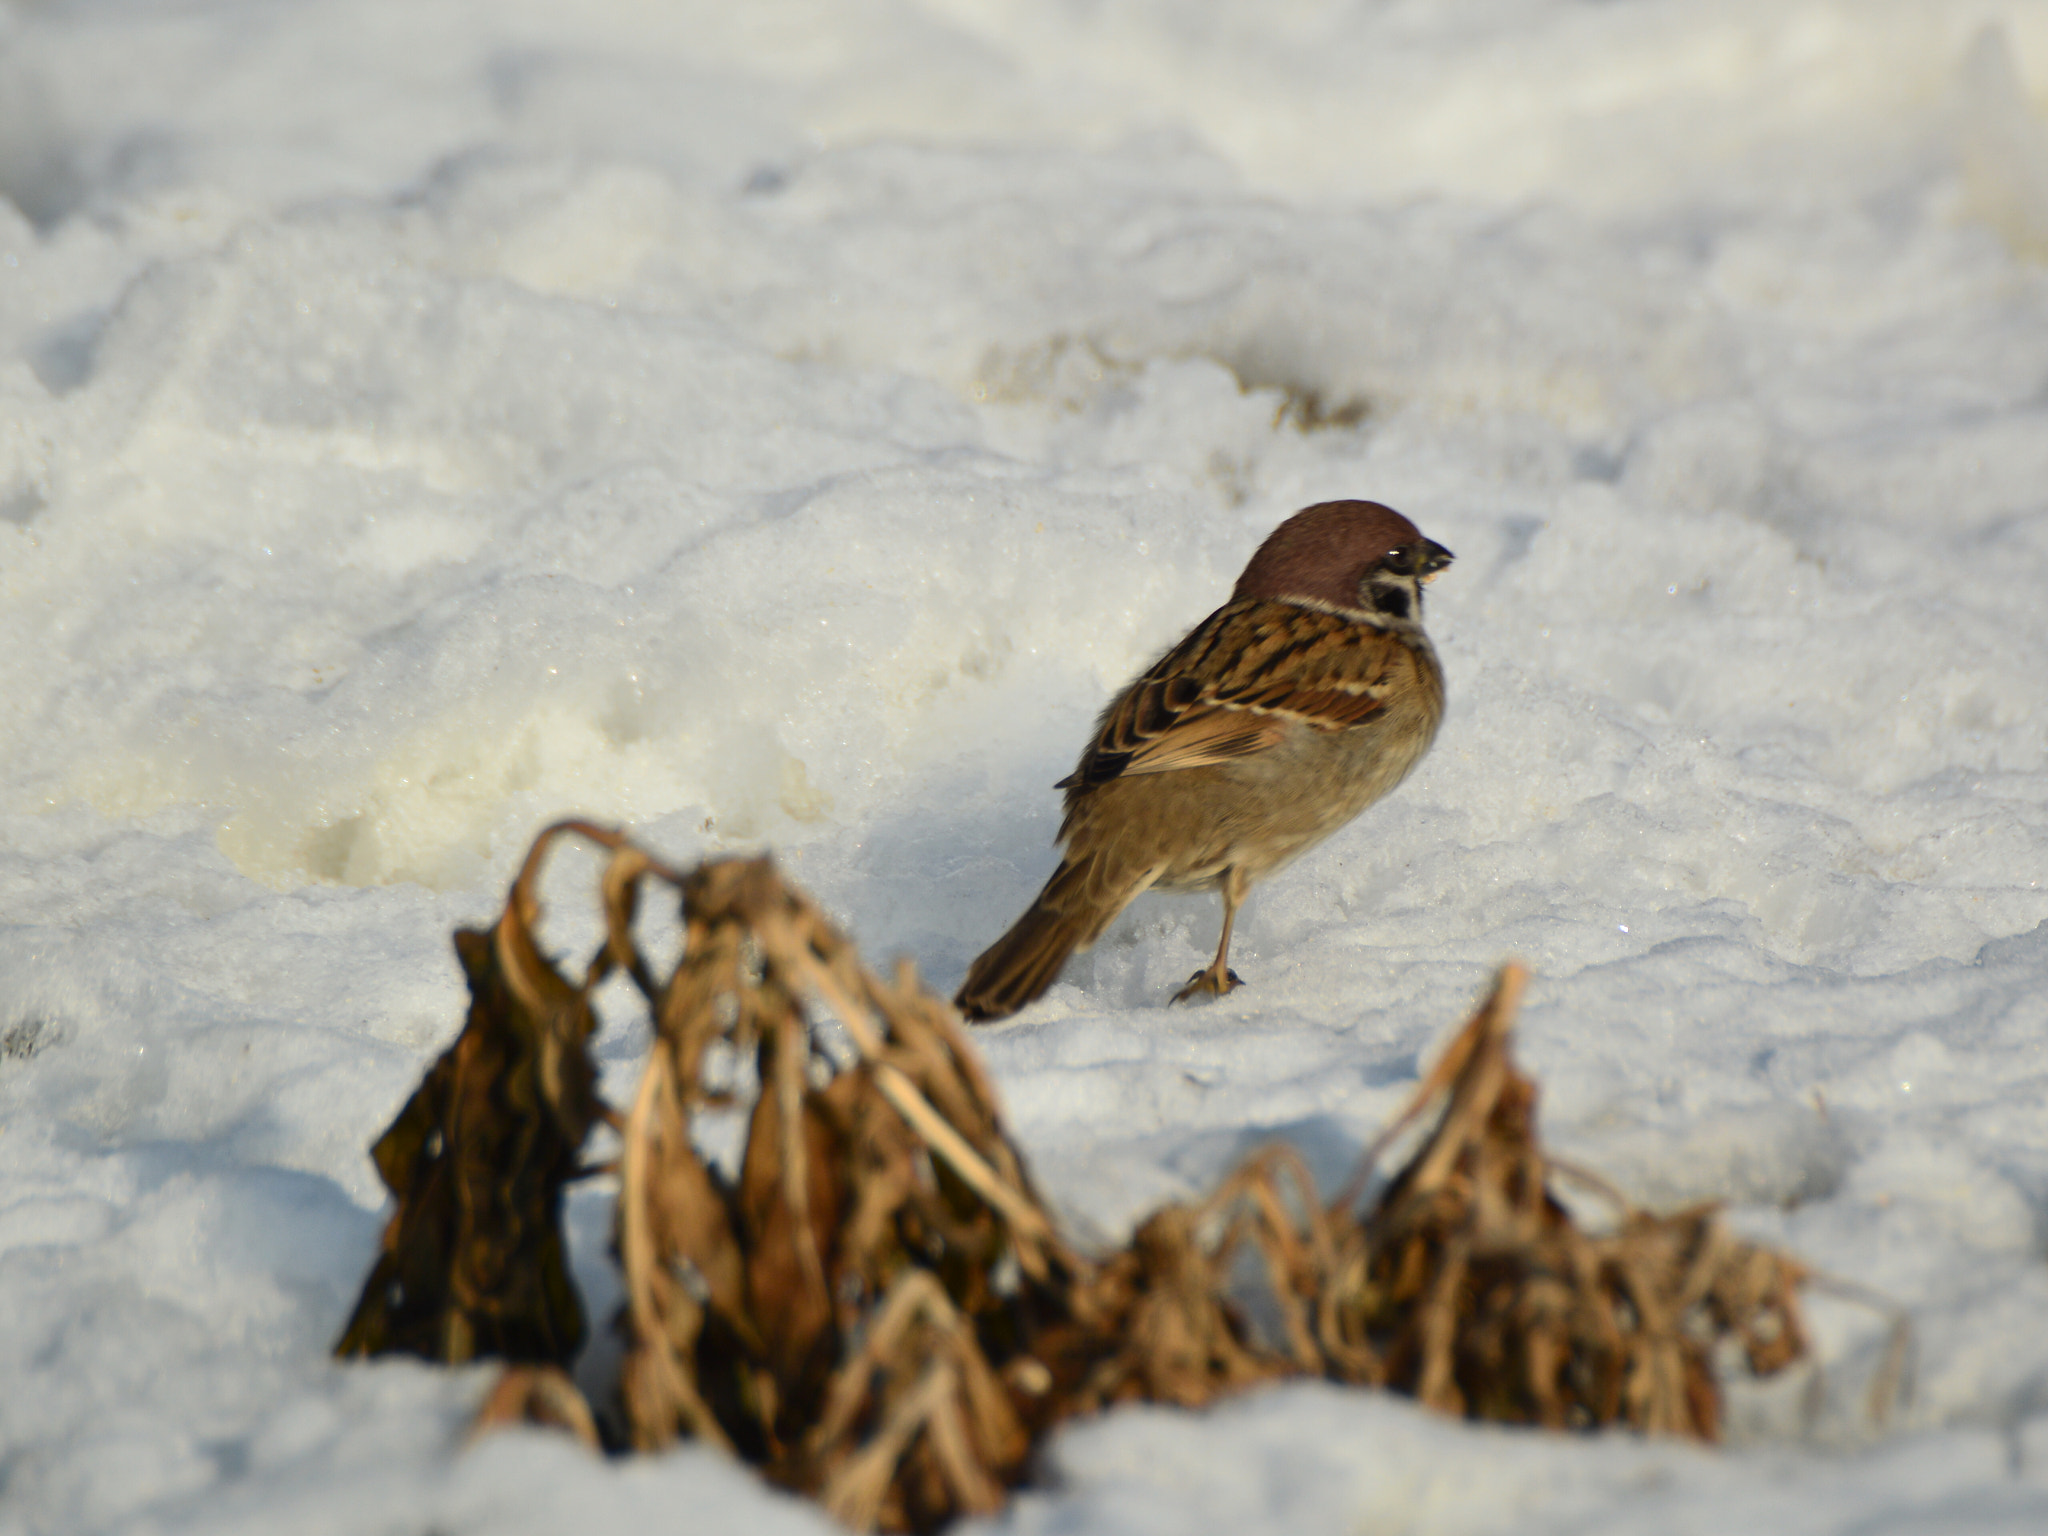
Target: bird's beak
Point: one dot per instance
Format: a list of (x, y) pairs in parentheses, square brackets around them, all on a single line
[(1434, 558)]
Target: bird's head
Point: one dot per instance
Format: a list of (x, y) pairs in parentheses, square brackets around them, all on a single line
[(1355, 555)]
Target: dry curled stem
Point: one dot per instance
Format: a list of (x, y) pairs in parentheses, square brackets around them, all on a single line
[(539, 1395)]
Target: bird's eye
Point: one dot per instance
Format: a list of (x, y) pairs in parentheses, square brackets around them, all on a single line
[(1424, 559)]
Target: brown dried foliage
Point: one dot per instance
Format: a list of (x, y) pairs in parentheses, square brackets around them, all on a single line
[(1470, 1286), (877, 1311), (831, 1314), (1467, 1284), (472, 1262)]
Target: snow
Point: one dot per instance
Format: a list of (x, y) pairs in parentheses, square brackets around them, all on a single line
[(783, 425)]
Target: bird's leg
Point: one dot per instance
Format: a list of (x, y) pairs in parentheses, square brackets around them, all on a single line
[(1219, 978)]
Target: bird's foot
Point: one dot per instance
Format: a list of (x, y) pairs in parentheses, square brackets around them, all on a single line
[(1215, 981)]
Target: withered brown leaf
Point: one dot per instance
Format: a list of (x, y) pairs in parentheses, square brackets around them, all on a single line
[(472, 1262)]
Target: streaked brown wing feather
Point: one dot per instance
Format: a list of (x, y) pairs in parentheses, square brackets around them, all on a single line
[(1207, 736), (1235, 685)]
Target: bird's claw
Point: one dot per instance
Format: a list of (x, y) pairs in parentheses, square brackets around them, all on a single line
[(1207, 983)]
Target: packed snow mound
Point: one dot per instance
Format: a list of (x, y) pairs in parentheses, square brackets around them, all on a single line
[(784, 426)]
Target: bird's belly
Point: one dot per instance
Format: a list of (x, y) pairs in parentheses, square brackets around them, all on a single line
[(1260, 813)]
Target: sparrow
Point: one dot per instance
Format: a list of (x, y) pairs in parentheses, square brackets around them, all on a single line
[(1286, 712)]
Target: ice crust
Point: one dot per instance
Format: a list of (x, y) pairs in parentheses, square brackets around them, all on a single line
[(783, 426)]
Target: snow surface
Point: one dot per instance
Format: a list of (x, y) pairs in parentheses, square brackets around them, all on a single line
[(783, 424)]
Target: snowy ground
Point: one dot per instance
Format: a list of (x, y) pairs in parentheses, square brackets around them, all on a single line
[(782, 424)]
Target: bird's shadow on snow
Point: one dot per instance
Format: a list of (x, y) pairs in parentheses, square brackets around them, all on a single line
[(939, 875)]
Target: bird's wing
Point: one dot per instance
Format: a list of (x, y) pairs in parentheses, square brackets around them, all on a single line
[(1235, 686)]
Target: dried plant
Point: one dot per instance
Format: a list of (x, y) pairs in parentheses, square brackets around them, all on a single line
[(1471, 1286), (874, 1307), (831, 1312), (1165, 1301), (472, 1262)]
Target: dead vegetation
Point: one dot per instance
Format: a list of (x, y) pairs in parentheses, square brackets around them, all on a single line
[(1306, 410), (876, 1309), (1470, 1286), (830, 1315), (472, 1262)]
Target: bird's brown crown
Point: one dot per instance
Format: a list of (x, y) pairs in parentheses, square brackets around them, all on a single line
[(1323, 552)]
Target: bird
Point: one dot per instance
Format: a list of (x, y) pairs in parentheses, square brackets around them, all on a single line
[(1306, 697)]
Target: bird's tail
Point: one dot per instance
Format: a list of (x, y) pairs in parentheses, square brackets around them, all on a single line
[(1069, 914), (1020, 965)]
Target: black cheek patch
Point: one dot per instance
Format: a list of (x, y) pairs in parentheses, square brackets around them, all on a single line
[(1391, 600)]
